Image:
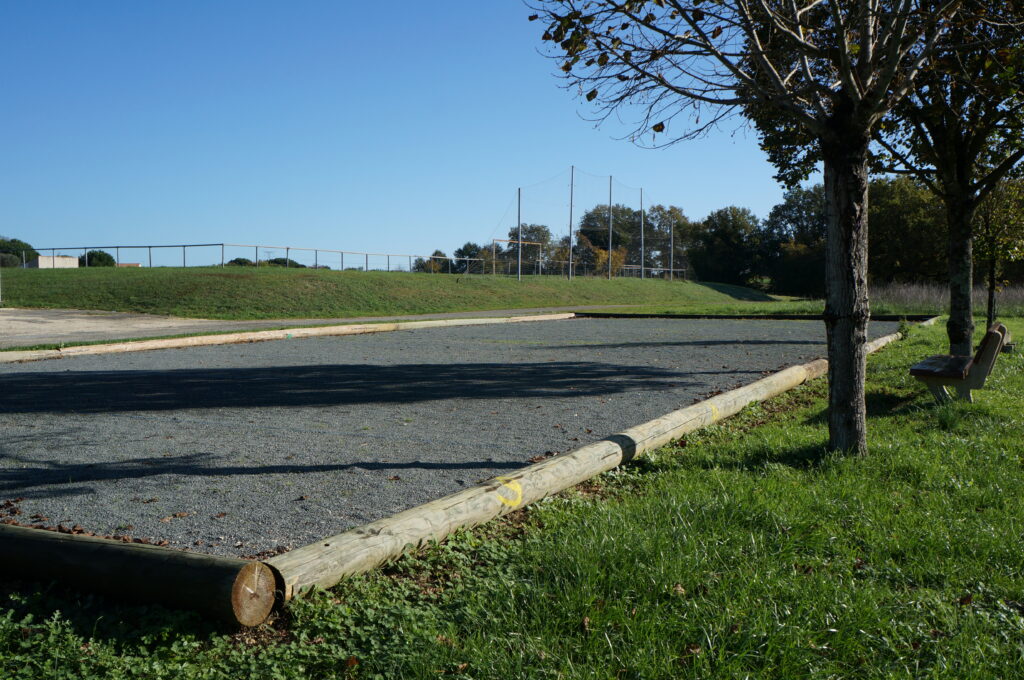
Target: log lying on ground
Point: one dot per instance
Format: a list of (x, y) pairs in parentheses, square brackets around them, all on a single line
[(232, 590), (263, 336), (327, 562)]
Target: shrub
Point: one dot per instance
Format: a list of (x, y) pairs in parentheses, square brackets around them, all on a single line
[(97, 258), (240, 262), (10, 260), (16, 247)]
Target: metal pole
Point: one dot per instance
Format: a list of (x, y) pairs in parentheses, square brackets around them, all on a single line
[(366, 263), (519, 226), (221, 254), (183, 256), (23, 259), (494, 254), (389, 262), (85, 255), (641, 232), (117, 255), (316, 259), (287, 255), (342, 261), (572, 187), (410, 264), (257, 256), (671, 249), (53, 258), (609, 227), (150, 249)]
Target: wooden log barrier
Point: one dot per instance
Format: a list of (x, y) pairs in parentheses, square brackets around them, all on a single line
[(327, 562), (263, 336), (232, 590)]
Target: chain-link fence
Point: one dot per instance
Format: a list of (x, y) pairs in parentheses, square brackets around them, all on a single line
[(254, 255)]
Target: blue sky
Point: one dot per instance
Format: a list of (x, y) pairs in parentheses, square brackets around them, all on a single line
[(398, 127)]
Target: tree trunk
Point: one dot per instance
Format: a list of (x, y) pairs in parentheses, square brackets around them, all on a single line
[(846, 290), (991, 316), (960, 327)]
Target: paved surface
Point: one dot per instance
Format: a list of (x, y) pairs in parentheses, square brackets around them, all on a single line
[(31, 327), (287, 442)]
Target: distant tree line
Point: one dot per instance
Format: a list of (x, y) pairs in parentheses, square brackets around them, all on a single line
[(782, 253)]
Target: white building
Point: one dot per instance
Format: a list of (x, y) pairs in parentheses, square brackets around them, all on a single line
[(53, 262)]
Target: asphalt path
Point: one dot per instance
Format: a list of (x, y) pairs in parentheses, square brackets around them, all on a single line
[(236, 449)]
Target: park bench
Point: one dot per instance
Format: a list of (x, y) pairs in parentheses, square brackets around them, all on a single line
[(962, 373)]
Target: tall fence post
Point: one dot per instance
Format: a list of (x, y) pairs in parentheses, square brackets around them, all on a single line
[(221, 254), (117, 256), (388, 262), (85, 256), (641, 233), (150, 249), (183, 257), (287, 257), (671, 250), (572, 188), (316, 259), (609, 227), (519, 227)]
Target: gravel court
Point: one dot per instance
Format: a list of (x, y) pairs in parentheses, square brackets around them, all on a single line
[(238, 449)]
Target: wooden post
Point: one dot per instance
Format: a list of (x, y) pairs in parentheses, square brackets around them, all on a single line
[(233, 590)]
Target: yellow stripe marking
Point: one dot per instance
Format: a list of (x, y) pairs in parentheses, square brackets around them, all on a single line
[(516, 489)]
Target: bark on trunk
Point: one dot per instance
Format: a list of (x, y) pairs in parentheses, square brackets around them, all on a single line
[(991, 316), (846, 290), (960, 327)]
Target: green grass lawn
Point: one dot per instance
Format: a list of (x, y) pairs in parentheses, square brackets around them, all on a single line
[(268, 293), (743, 551)]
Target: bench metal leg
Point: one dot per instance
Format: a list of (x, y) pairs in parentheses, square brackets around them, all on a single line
[(963, 393)]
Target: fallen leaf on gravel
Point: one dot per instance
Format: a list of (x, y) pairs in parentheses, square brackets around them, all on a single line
[(394, 478), (220, 514)]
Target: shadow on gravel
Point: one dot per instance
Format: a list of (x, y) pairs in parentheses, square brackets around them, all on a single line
[(328, 385), (47, 473)]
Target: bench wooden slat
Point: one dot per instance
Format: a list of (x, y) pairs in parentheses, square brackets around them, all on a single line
[(943, 366)]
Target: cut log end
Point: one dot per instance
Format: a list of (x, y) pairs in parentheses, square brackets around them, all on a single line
[(252, 595)]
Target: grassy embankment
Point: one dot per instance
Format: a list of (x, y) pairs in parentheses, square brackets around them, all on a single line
[(275, 293), (743, 551)]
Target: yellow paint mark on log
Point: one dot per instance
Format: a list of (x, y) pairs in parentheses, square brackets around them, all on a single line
[(516, 489), (714, 411)]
